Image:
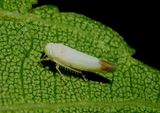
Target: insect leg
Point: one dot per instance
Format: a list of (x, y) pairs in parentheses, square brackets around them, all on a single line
[(72, 69), (44, 56), (57, 67), (45, 59), (84, 77)]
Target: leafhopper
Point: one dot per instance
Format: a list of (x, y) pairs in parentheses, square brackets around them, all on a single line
[(75, 60)]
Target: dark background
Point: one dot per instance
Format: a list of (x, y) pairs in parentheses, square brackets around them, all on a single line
[(136, 22)]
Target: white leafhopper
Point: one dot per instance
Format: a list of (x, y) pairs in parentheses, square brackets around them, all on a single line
[(75, 60)]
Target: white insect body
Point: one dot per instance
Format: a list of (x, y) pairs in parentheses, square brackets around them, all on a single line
[(75, 60)]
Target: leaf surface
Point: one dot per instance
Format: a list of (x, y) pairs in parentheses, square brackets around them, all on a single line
[(27, 86)]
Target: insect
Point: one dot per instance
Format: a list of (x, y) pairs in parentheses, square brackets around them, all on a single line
[(75, 60)]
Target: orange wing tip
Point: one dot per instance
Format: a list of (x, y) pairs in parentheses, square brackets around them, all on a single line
[(106, 66)]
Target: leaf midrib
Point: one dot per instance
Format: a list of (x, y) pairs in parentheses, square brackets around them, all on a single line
[(99, 104)]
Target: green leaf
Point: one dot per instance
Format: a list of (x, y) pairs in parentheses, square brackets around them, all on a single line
[(22, 6), (26, 86)]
